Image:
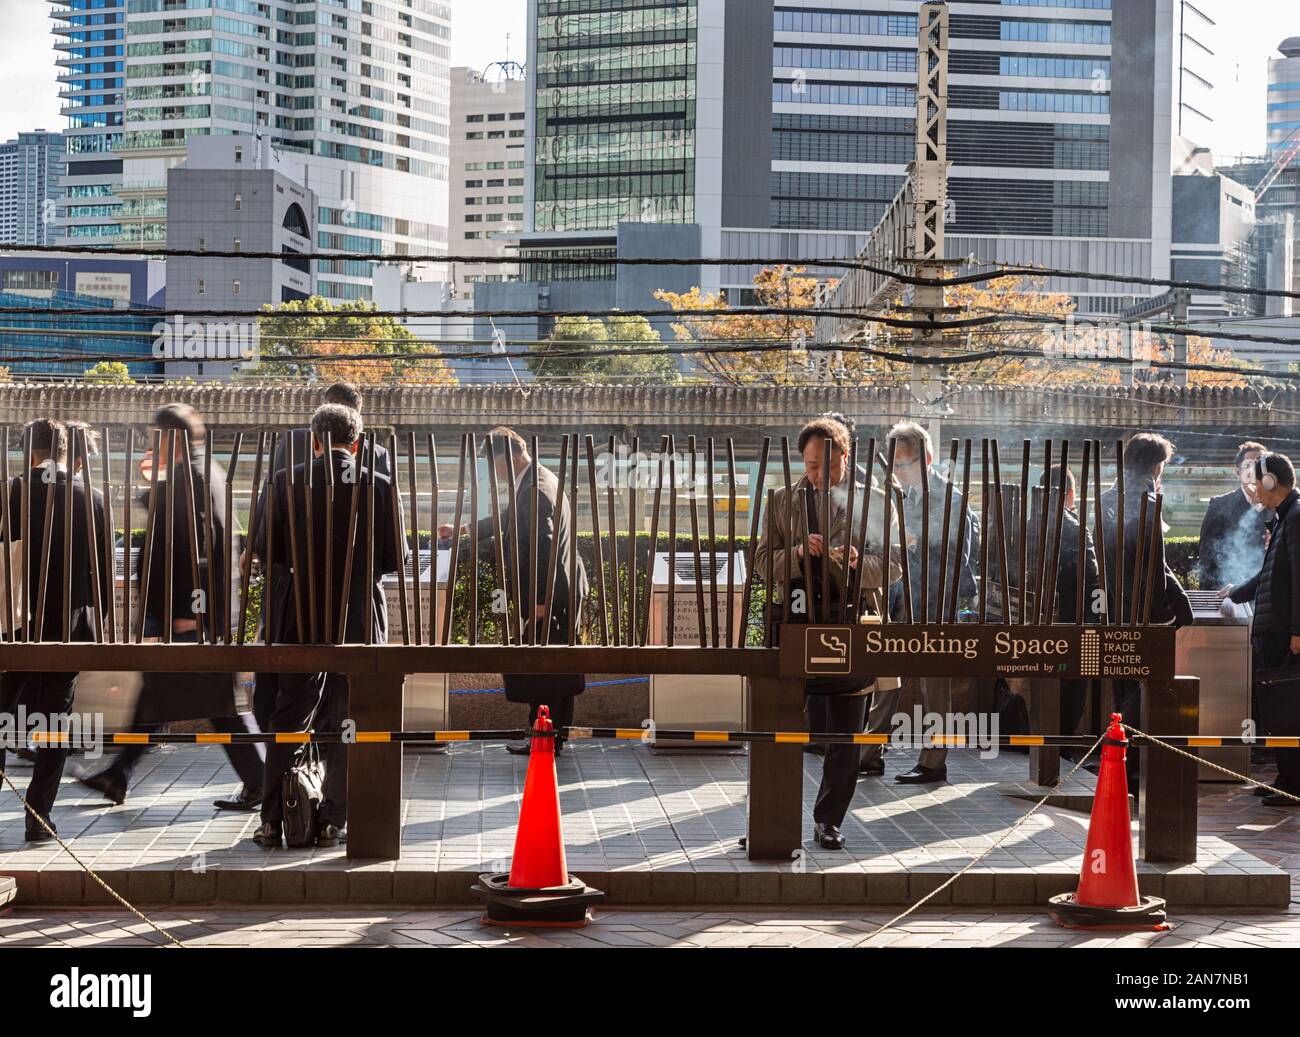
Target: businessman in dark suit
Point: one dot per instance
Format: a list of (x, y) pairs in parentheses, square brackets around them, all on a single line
[(345, 394), (51, 693), (1145, 457), (167, 697), (1231, 547), (514, 470), (345, 609)]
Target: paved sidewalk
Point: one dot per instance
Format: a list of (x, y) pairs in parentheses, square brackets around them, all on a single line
[(781, 928), (655, 828)]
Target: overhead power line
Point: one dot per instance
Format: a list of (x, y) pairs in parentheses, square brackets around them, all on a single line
[(835, 263)]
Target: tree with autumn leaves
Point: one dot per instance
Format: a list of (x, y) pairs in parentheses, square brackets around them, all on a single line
[(294, 334), (1058, 345)]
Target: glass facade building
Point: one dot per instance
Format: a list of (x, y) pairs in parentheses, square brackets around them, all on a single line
[(615, 113), (357, 91), (31, 177), (90, 41)]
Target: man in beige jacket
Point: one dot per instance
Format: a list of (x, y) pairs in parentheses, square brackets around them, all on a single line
[(802, 559)]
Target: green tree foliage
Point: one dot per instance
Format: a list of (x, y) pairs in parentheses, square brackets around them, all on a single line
[(109, 372), (591, 335)]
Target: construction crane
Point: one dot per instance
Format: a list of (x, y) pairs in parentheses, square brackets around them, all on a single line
[(1290, 149)]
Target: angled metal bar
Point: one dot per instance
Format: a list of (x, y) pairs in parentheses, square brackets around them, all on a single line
[(672, 541), (472, 621), (192, 527), (514, 592), (756, 505), (146, 554), (109, 546), (633, 521), (534, 548), (291, 512), (961, 531), (617, 611), (1022, 518), (1081, 569), (947, 532), (1040, 542), (902, 539), (842, 614), (210, 584), (1099, 533), (69, 499), (1002, 521), (309, 533), (509, 619), (435, 517), (702, 624), (10, 628), (889, 504), (1119, 531), (327, 593), (453, 559), (352, 474), (731, 536), (169, 537), (228, 570), (984, 533), (246, 564), (1131, 616), (1049, 610), (924, 552), (554, 560), (828, 446), (855, 596), (372, 534), (399, 537), (1156, 533), (413, 493), (268, 580), (92, 536), (573, 549), (712, 533), (767, 583), (597, 551), (790, 508), (654, 542)]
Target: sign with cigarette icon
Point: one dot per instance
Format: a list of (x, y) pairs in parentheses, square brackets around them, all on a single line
[(828, 650)]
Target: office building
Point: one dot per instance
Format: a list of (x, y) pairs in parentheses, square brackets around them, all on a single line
[(357, 93), (31, 176), (488, 148), (90, 48)]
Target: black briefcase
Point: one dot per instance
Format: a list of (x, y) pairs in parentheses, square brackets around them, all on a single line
[(302, 789), (1285, 678)]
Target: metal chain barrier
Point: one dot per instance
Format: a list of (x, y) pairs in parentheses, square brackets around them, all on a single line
[(980, 856), (86, 867)]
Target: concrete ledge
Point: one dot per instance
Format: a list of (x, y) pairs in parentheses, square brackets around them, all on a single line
[(1186, 888)]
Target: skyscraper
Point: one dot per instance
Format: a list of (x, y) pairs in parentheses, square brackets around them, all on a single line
[(90, 43), (1284, 95), (489, 142), (31, 174), (357, 92)]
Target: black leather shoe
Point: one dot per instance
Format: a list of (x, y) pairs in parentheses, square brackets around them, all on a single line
[(38, 834), (828, 837), (245, 799), (107, 785), (269, 836), (1273, 799), (923, 776), (873, 768), (520, 748), (331, 835), (1260, 791)]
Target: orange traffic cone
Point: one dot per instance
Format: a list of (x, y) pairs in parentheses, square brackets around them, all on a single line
[(538, 891), (1108, 897)]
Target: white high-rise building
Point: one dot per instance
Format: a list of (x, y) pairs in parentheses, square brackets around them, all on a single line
[(358, 92)]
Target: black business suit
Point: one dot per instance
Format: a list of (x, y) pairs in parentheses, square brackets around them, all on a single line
[(1231, 547), (319, 700), (1074, 693), (554, 532), (52, 693), (1275, 592), (1169, 602), (166, 697), (265, 684)]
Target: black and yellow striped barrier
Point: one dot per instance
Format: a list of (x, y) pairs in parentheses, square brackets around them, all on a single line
[(638, 734)]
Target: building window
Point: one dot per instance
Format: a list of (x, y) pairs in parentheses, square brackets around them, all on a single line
[(239, 156), (238, 245), (473, 118), (203, 244), (239, 202), (202, 286), (235, 287)]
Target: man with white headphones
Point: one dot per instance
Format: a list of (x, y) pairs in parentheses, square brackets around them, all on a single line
[(1275, 635)]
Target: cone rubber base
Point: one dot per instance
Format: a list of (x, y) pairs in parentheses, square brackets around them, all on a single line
[(1148, 916), (564, 906)]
